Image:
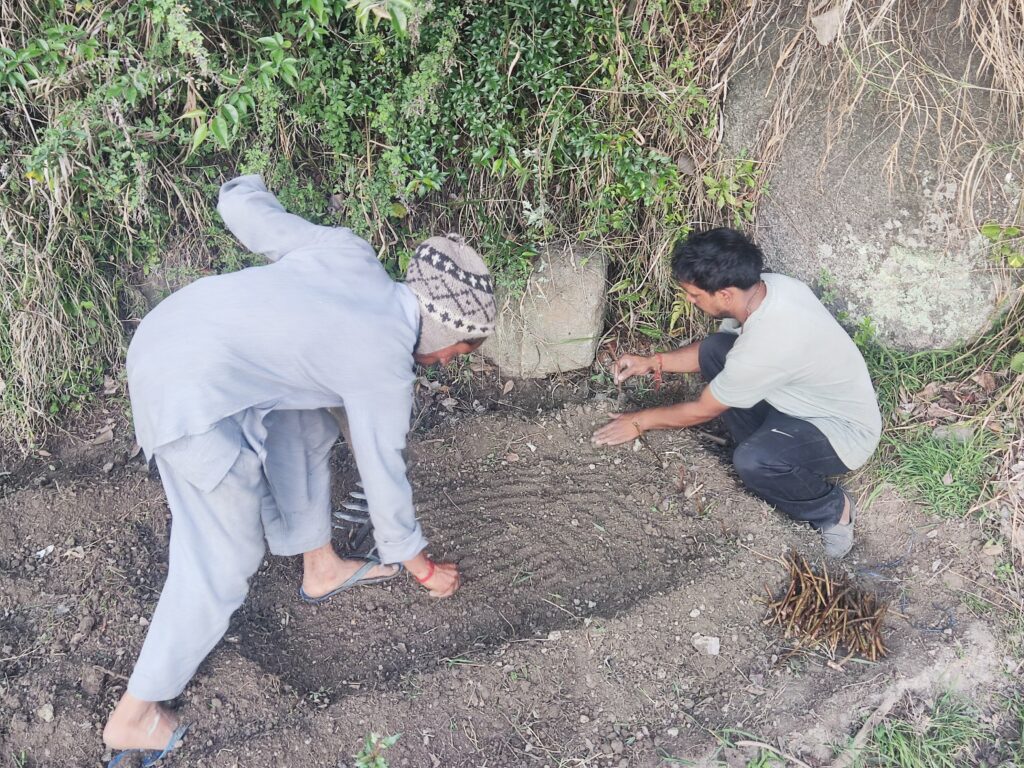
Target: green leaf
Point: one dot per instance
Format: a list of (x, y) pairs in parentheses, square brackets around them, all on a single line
[(199, 136), (220, 130), (288, 71), (398, 210), (232, 114), (991, 230), (399, 21), (198, 114), (1011, 232), (268, 42), (1017, 363)]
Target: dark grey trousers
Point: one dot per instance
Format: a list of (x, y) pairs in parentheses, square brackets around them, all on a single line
[(782, 459)]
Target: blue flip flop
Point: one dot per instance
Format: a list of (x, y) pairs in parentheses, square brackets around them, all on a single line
[(153, 756), (355, 580)]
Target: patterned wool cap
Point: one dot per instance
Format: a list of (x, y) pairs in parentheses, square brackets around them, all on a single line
[(455, 292)]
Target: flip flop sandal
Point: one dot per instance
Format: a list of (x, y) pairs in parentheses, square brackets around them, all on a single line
[(153, 756), (355, 580)]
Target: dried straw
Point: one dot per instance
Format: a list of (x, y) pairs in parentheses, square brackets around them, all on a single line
[(826, 611)]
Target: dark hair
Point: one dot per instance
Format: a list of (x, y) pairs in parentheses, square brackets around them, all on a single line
[(716, 259)]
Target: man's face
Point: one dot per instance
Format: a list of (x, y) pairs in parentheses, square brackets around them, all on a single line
[(717, 304), (444, 356)]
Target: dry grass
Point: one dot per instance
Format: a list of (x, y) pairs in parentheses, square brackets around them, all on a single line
[(943, 82)]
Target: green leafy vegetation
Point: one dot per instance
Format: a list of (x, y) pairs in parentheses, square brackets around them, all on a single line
[(519, 125), (1006, 244), (372, 753)]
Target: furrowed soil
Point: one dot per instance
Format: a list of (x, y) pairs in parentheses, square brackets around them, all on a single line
[(587, 574)]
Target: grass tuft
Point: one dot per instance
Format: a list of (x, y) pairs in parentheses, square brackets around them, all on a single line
[(950, 476), (942, 738)]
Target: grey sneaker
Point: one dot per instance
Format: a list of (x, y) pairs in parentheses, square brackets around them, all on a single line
[(838, 539)]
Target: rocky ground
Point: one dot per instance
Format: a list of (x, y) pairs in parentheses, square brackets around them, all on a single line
[(592, 578)]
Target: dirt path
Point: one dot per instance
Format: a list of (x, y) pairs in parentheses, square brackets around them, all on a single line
[(587, 575)]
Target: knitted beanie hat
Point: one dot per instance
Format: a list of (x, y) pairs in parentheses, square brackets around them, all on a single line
[(454, 290)]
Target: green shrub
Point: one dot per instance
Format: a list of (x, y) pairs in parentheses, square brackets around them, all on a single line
[(517, 124)]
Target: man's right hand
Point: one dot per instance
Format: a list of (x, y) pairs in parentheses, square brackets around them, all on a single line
[(441, 579), (632, 365), (445, 581)]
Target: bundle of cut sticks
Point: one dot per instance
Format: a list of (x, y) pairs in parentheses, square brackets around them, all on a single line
[(829, 612)]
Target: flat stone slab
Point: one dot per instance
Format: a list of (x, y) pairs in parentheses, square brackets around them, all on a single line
[(556, 324)]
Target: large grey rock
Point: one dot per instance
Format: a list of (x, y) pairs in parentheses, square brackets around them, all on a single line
[(897, 254), (557, 322)]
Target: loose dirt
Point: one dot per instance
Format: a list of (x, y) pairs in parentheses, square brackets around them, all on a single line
[(588, 574)]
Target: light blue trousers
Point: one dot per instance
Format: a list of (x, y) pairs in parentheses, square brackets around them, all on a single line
[(276, 492)]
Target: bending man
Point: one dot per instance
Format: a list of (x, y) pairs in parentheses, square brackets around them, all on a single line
[(787, 380), (230, 381)]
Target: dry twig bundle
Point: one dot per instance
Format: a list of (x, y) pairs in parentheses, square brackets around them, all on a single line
[(821, 610)]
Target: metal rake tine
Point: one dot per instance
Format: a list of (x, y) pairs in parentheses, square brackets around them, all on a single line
[(357, 495), (357, 506), (350, 518)]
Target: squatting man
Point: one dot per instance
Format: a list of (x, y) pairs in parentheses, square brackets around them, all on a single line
[(790, 385), (231, 379)]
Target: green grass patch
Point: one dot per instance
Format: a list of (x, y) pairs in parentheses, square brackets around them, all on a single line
[(948, 475), (942, 738), (951, 734)]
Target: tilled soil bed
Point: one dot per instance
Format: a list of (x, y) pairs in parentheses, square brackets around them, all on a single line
[(587, 575)]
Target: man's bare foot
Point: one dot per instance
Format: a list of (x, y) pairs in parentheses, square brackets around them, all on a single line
[(323, 571), (138, 724)]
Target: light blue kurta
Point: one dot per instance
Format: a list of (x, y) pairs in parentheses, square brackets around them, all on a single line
[(229, 378), (321, 326)]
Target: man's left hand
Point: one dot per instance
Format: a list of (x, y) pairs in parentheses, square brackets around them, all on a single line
[(621, 429)]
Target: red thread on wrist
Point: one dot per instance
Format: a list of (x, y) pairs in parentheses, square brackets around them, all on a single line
[(657, 373), (429, 575)]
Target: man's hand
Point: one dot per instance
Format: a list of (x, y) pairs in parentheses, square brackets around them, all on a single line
[(628, 366), (442, 579), (621, 429)]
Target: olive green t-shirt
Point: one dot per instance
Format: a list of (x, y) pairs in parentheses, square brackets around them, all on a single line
[(793, 354)]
